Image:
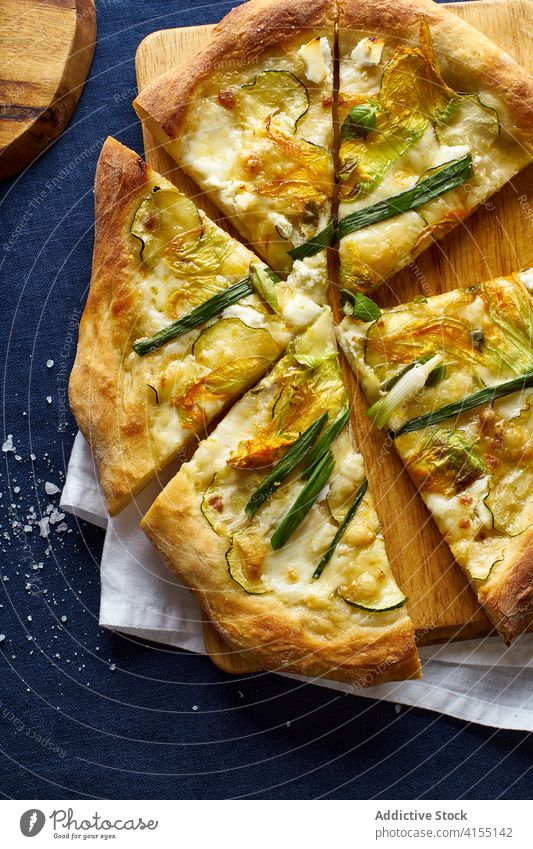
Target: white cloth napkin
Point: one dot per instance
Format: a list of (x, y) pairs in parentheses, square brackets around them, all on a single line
[(476, 680)]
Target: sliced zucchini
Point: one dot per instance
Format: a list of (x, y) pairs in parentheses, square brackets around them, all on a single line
[(507, 498), (231, 340), (275, 91), (472, 123), (226, 497), (234, 376), (245, 561), (166, 218), (390, 597)]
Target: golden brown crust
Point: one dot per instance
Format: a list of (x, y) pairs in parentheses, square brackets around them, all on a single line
[(508, 598), (468, 60), (241, 39), (118, 436), (279, 637)]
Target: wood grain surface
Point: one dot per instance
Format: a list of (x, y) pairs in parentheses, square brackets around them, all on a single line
[(46, 49), (496, 240)]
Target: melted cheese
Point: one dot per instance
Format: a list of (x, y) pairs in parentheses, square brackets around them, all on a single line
[(473, 313), (377, 251), (299, 311), (310, 275), (201, 152), (367, 52)]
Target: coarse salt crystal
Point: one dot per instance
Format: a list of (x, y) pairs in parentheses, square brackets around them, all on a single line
[(44, 526), (8, 444)]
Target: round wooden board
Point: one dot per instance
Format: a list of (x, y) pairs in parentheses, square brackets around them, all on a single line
[(46, 49)]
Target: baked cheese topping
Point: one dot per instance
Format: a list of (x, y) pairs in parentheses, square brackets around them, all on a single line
[(181, 260), (229, 466), (400, 121), (473, 468)]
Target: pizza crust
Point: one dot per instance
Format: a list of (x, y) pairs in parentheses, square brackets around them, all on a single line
[(118, 436), (507, 595), (279, 637), (469, 61)]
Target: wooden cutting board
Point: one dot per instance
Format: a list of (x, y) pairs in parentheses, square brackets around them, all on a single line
[(496, 240), (46, 49)]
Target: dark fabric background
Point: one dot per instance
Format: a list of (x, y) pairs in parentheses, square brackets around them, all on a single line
[(162, 724)]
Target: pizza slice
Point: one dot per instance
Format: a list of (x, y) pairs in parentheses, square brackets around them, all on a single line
[(433, 119), (272, 525), (451, 377), (249, 118), (180, 320)]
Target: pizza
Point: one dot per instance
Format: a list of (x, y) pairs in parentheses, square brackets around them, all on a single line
[(180, 320), (272, 525), (433, 118), (451, 378), (249, 118), (338, 136)]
